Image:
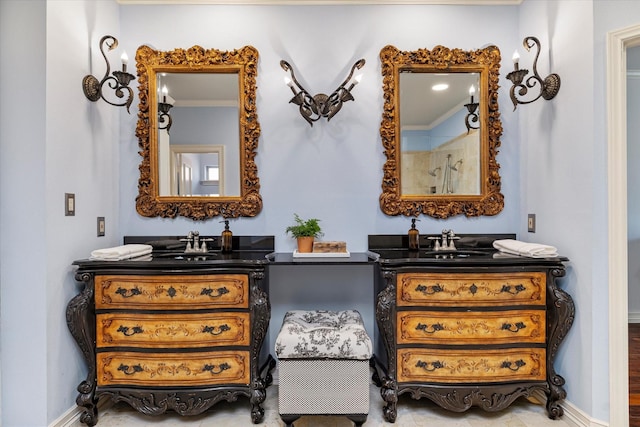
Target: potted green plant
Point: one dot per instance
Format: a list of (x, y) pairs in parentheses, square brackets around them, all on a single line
[(305, 231)]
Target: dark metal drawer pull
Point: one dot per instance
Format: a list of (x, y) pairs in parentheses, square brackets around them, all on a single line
[(212, 368), (516, 289), (127, 332), (128, 293), (212, 329), (434, 328), (220, 291), (130, 370), (429, 290), (513, 328), (425, 365), (518, 364)]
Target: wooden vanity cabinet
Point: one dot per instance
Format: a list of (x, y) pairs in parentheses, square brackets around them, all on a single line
[(466, 336), (179, 341)]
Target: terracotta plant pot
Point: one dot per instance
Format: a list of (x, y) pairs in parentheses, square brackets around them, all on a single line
[(305, 244)]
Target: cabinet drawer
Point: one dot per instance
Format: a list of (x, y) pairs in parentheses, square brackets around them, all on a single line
[(492, 327), (172, 330), (459, 289), (172, 369), (471, 366), (172, 292)]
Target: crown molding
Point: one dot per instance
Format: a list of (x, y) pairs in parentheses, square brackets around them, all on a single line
[(326, 2)]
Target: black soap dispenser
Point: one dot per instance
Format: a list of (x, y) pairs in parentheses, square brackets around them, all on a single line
[(225, 239), (414, 236)]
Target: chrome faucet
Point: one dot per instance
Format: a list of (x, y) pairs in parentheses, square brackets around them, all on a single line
[(446, 242), (195, 244)]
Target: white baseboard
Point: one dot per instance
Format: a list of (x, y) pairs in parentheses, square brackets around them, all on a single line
[(572, 414), (71, 418), (634, 317)]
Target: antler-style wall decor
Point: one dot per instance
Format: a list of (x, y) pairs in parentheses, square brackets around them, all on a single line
[(312, 108)]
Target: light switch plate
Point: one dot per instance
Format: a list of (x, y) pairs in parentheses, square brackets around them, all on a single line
[(69, 204), (101, 226), (531, 223)]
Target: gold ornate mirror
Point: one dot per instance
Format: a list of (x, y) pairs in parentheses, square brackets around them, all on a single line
[(441, 132), (198, 133)]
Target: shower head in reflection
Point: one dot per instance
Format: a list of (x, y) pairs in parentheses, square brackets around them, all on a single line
[(455, 165), (432, 172)]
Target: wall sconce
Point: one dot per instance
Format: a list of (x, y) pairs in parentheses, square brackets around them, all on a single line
[(549, 87), (472, 116), (163, 111), (93, 89), (321, 105)]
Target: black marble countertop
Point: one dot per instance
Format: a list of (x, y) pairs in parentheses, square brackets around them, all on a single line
[(472, 250)]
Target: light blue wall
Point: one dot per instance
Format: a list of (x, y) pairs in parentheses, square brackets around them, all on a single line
[(22, 200), (53, 141), (426, 140), (332, 171), (557, 160), (219, 128), (553, 155)]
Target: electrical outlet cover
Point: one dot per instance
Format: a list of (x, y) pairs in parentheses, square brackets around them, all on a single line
[(69, 204), (531, 223), (101, 226)]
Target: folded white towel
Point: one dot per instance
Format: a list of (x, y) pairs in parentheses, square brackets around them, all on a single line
[(532, 250), (119, 253)]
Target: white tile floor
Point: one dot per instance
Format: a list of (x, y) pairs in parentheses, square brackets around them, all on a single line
[(411, 413)]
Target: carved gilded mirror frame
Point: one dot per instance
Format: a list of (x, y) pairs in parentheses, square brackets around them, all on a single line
[(196, 59), (439, 60)]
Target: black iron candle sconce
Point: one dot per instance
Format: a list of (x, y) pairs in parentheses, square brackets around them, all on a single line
[(549, 87), (312, 108), (118, 82), (163, 112), (472, 115)]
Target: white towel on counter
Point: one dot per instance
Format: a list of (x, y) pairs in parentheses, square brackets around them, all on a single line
[(119, 253), (532, 250)]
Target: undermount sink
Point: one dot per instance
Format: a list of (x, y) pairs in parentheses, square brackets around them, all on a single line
[(191, 256), (455, 254)]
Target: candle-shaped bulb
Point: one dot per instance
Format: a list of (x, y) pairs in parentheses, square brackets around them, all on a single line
[(164, 93), (358, 78), (516, 59), (472, 91), (289, 83), (125, 61)]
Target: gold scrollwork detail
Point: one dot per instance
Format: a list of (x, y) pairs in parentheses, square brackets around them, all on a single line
[(197, 59), (440, 59)]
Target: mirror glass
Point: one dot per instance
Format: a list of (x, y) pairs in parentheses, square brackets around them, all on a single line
[(198, 132), (204, 135), (440, 132)]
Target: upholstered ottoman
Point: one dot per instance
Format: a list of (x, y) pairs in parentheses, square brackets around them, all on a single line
[(323, 365)]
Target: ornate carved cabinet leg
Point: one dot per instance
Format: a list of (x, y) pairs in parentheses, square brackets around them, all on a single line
[(87, 400), (561, 309), (258, 396), (81, 324), (389, 393), (385, 313), (261, 309)]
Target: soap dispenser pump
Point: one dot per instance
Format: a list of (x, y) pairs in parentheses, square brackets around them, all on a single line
[(414, 236), (225, 239)]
